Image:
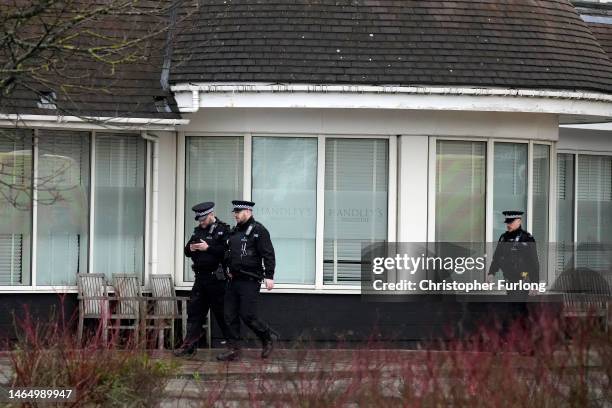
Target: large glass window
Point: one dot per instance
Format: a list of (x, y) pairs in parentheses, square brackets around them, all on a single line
[(510, 182), (541, 182), (119, 204), (356, 196), (565, 211), (284, 190), (62, 206), (594, 210), (15, 206), (214, 172), (460, 191)]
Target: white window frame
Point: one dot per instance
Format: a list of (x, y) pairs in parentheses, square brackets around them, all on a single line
[(489, 178), (34, 287), (576, 154), (318, 286)]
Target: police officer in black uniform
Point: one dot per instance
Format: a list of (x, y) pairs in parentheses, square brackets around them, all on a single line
[(517, 257), (206, 248), (251, 260)]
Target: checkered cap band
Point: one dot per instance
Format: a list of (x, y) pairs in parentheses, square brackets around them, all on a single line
[(203, 213)]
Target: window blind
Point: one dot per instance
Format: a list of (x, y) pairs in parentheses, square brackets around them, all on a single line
[(15, 206), (63, 206), (120, 203), (356, 194), (460, 191), (214, 172)]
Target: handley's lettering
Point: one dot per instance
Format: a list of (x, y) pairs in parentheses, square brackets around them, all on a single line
[(356, 212)]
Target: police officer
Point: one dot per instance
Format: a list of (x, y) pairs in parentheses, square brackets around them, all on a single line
[(251, 260), (517, 257), (206, 248)]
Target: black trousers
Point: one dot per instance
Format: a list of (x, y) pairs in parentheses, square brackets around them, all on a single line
[(241, 298), (207, 293), (517, 308)]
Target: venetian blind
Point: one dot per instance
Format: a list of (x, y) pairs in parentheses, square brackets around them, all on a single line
[(356, 186), (15, 206)]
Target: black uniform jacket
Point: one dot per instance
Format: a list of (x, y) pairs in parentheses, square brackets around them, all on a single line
[(215, 235), (517, 257), (250, 250)]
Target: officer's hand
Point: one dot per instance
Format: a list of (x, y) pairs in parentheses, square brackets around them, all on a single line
[(201, 246), (269, 283), (490, 278)]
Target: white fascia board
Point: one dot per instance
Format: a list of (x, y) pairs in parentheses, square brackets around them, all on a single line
[(97, 123), (606, 126), (191, 97)]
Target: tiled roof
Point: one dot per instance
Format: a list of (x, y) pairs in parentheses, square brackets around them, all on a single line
[(481, 43), (85, 87), (603, 33)]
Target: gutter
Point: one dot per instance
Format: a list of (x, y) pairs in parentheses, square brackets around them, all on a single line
[(195, 99), (262, 95), (94, 121), (386, 89)]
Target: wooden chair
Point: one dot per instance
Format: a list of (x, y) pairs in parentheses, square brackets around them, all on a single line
[(128, 298), (585, 294), (164, 308), (93, 301)]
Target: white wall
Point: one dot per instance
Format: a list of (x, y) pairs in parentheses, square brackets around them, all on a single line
[(413, 152), (584, 140), (368, 121)]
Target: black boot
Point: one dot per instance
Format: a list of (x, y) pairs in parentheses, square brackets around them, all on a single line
[(186, 351), (229, 355), (268, 343)]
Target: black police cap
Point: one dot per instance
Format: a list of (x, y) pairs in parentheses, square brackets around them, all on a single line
[(240, 205), (512, 215), (203, 209)]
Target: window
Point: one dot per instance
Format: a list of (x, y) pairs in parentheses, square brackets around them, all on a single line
[(510, 182), (214, 172), (356, 202), (284, 190), (539, 222), (594, 211), (284, 174), (460, 191), (585, 244), (119, 195), (565, 211), (62, 206), (15, 206)]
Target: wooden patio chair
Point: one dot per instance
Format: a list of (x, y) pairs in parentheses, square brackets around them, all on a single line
[(128, 298), (93, 301), (585, 294), (163, 309)]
